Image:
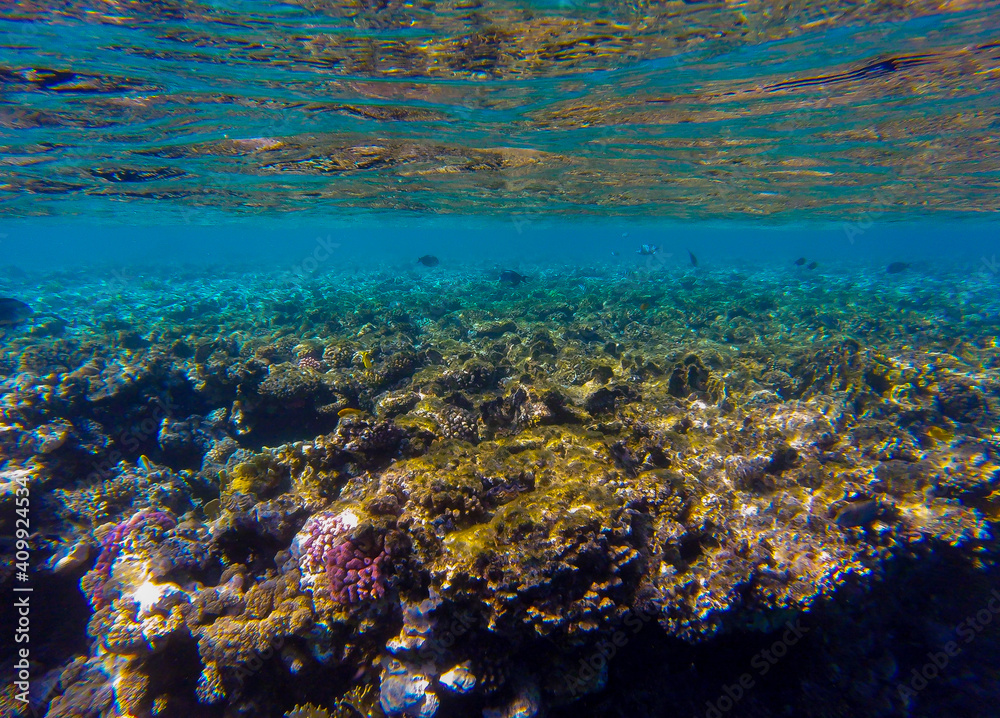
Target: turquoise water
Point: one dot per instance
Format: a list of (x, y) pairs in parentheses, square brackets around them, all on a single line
[(167, 112), (523, 241), (502, 359)]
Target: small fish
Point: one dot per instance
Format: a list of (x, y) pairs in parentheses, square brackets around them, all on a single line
[(643, 307), (860, 513), (212, 509), (349, 411), (812, 265), (694, 259), (13, 311), (365, 356), (800, 261), (429, 260), (615, 254), (512, 278), (648, 250), (897, 267)]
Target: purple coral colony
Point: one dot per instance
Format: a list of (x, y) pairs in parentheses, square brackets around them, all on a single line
[(467, 499)]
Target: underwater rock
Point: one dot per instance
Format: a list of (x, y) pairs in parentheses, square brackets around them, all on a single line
[(394, 403), (604, 399), (417, 626), (541, 344), (473, 375), (404, 692), (494, 329), (95, 582), (525, 704), (460, 679), (520, 409), (687, 376), (746, 472), (391, 372), (370, 439), (87, 689), (52, 437), (184, 443), (959, 401), (860, 513)]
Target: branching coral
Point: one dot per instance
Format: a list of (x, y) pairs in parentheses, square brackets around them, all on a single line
[(354, 572)]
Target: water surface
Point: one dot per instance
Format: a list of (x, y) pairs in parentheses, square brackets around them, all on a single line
[(684, 110)]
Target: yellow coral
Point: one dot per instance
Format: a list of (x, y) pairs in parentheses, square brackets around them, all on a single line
[(256, 476), (308, 711)]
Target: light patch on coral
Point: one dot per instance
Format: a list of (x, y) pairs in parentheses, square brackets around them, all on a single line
[(149, 596), (459, 679), (348, 519)]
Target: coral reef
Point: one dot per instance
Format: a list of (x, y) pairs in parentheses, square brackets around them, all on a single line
[(427, 508)]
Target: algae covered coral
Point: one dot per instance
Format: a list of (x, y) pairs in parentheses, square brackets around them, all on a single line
[(461, 498)]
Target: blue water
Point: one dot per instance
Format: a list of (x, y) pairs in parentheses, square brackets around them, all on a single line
[(523, 240), (697, 369)]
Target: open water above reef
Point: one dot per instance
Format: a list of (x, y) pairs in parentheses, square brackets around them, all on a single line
[(689, 407)]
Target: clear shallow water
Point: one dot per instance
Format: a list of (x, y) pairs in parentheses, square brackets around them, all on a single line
[(517, 241), (704, 364), (164, 111)]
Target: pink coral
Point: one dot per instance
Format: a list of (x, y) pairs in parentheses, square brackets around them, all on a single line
[(353, 572), (308, 362)]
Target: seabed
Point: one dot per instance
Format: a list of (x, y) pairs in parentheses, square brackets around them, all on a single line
[(605, 491)]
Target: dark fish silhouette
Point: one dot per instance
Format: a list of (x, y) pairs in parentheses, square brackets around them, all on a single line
[(131, 175), (800, 261), (870, 71), (429, 260), (694, 259), (812, 265), (13, 311), (648, 250), (860, 513), (509, 276), (897, 267)]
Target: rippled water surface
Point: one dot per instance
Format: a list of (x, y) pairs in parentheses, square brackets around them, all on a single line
[(672, 109)]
